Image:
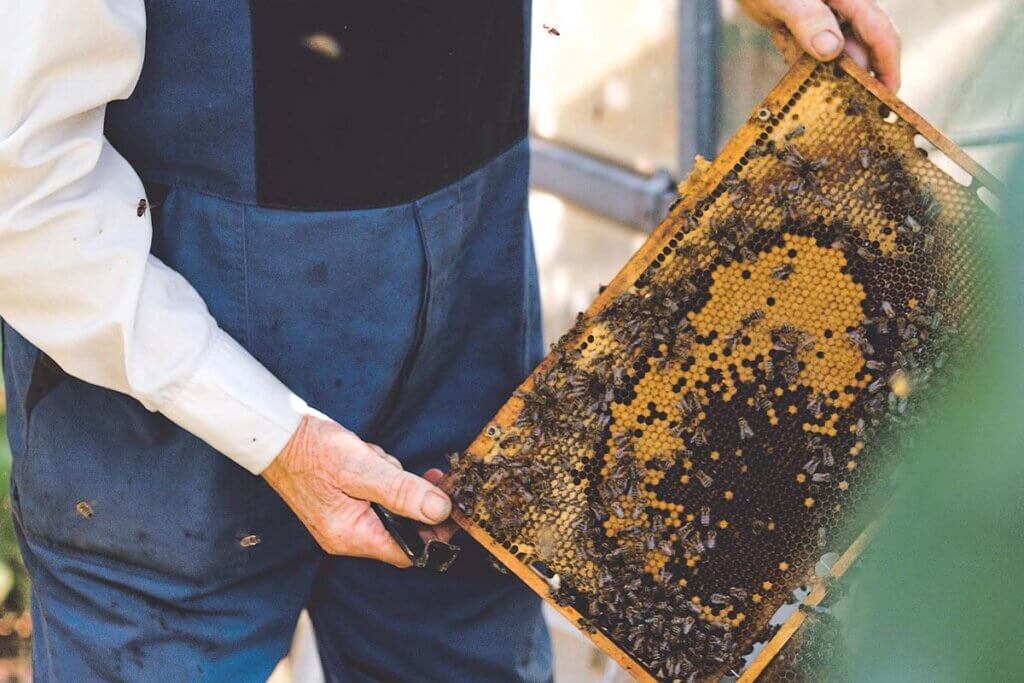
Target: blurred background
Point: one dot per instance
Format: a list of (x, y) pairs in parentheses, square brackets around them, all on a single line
[(623, 97)]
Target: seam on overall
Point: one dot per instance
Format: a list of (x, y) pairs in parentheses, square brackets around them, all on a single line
[(246, 309), (396, 391), (250, 512), (255, 147), (524, 308), (173, 180), (29, 559)]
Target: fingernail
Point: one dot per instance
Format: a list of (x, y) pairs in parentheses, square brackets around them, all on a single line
[(434, 507), (825, 44)]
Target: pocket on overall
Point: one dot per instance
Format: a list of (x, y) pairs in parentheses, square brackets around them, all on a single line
[(99, 474)]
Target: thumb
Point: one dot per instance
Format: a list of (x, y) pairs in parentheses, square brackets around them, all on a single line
[(813, 26), (377, 480)]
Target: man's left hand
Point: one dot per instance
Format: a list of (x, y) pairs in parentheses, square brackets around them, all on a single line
[(811, 26)]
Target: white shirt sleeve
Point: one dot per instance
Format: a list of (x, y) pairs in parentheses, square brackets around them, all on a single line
[(76, 275)]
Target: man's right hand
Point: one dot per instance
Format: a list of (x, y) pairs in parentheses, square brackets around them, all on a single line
[(328, 476)]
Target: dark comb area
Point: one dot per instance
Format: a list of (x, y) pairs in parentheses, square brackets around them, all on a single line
[(693, 446)]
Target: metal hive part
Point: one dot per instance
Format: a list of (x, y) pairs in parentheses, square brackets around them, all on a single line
[(691, 448)]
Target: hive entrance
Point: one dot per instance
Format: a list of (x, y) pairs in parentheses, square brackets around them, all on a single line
[(677, 465)]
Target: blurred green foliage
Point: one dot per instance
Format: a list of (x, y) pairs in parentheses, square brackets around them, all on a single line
[(14, 583), (940, 595)]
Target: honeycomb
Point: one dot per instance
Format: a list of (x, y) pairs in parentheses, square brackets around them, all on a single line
[(816, 654), (687, 452)]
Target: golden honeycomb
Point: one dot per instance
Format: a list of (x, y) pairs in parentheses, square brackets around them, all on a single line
[(674, 469)]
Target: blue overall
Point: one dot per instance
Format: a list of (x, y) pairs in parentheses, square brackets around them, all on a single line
[(407, 310)]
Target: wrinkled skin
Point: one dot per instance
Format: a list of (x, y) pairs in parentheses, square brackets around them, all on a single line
[(817, 27)]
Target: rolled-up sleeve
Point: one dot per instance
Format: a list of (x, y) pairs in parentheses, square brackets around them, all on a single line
[(76, 275)]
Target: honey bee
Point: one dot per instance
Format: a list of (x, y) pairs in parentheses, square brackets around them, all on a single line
[(552, 30), (796, 132), (783, 272), (864, 156), (140, 209)]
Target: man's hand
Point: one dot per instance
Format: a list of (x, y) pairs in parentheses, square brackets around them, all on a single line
[(810, 26), (326, 475)]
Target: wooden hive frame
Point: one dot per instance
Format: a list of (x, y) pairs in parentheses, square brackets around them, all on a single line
[(697, 187)]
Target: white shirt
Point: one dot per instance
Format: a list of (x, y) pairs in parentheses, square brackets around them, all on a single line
[(76, 275)]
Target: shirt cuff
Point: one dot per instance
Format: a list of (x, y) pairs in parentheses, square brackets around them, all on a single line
[(236, 405)]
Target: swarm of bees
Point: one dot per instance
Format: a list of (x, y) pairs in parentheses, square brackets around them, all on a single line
[(690, 448)]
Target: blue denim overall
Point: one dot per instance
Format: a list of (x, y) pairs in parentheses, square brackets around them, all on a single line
[(409, 320)]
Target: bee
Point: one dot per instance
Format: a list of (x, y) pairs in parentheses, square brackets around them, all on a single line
[(689, 404), (860, 340), (854, 107), (929, 299), (739, 187), (745, 431), (783, 272), (790, 370), (824, 201), (704, 478), (811, 466), (752, 317), (912, 223), (796, 132), (711, 538), (769, 368), (699, 437), (761, 399), (806, 169), (785, 200), (815, 404), (864, 156), (552, 30), (889, 311), (732, 340), (140, 209), (739, 594), (932, 206), (705, 515), (821, 477), (874, 365), (826, 456), (719, 599)]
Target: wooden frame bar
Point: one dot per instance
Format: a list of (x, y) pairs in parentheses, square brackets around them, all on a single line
[(700, 183)]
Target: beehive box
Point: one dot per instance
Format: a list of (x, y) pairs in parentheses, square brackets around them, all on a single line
[(692, 447)]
